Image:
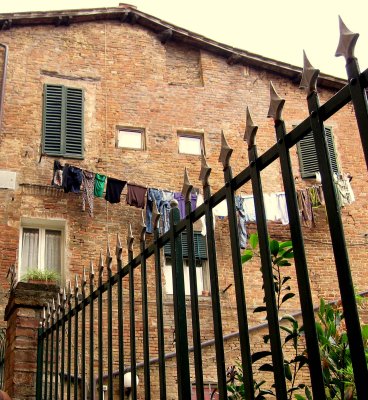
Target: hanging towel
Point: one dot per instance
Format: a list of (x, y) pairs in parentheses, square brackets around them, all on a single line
[(221, 209), (248, 204), (88, 181), (114, 188), (136, 196), (282, 208), (99, 185)]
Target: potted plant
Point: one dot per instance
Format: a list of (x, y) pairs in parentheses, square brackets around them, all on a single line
[(46, 276)]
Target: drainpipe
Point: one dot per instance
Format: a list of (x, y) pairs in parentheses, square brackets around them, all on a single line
[(6, 49)]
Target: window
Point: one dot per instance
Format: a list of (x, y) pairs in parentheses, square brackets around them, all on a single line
[(129, 138), (63, 121), (41, 246), (308, 156), (190, 144), (201, 264)]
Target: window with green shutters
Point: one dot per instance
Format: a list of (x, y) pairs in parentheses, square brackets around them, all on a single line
[(308, 156), (63, 121), (200, 248)]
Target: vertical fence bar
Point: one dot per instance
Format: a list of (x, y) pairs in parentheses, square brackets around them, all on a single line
[(100, 332), (215, 293), (69, 345), (267, 271), (339, 245), (57, 327), (76, 337), (91, 335), (146, 354), (186, 191), (48, 316), (83, 337), (40, 342), (180, 317), (160, 319), (225, 155), (53, 310), (110, 383), (306, 302), (62, 367), (346, 48), (133, 359), (119, 261)]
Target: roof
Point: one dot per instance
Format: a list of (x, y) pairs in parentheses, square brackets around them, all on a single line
[(165, 31)]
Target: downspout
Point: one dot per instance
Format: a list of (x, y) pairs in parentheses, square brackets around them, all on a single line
[(2, 93)]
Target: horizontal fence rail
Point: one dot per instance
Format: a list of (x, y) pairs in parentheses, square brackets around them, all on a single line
[(80, 330)]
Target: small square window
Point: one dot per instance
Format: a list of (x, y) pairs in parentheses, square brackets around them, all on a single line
[(190, 144), (130, 139)]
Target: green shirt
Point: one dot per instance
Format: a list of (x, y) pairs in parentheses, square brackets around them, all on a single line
[(99, 185)]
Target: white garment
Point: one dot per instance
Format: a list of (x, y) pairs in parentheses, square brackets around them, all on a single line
[(220, 210), (282, 208), (344, 189), (271, 206), (248, 204)]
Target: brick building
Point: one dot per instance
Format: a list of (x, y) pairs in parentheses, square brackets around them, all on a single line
[(139, 99)]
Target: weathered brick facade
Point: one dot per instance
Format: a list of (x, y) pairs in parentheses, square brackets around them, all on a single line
[(131, 79)]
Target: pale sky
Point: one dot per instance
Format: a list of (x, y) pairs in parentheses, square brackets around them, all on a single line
[(278, 29)]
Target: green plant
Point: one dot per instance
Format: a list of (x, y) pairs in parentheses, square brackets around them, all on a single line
[(46, 275)]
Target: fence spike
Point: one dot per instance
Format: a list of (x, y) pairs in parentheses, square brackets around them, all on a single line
[(226, 151), (91, 270), (58, 304), (155, 215), (205, 171), (119, 248), (187, 186), (64, 297), (53, 310), (276, 104), (43, 319), (143, 229), (101, 266), (76, 285), (130, 238), (69, 293), (250, 130), (48, 319), (309, 76), (84, 278), (108, 257), (347, 41)]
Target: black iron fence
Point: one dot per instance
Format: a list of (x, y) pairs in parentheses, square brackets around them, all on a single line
[(71, 356)]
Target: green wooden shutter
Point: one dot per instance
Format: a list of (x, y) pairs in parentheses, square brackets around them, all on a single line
[(74, 122), (52, 119), (200, 248), (63, 121), (308, 157)]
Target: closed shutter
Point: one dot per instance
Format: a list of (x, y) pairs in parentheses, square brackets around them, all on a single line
[(200, 248), (74, 122), (308, 156), (52, 129), (63, 121)]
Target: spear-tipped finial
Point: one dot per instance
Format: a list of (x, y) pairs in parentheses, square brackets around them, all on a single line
[(276, 104), (48, 313), (250, 130), (155, 215), (347, 41), (130, 238), (58, 303), (43, 318), (187, 186), (101, 265), (64, 297), (84, 278), (309, 76), (119, 249), (91, 270), (143, 228), (108, 257), (69, 290), (76, 285), (205, 171), (226, 151)]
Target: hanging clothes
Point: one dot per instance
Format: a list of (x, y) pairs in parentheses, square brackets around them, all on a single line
[(136, 195), (57, 176), (153, 195), (305, 208), (114, 188), (271, 206), (282, 208), (88, 182), (72, 179), (221, 209), (241, 219), (99, 185), (178, 196), (249, 209), (344, 189)]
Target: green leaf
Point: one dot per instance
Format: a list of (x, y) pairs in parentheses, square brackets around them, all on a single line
[(253, 240), (283, 263), (288, 243), (266, 338), (246, 256), (266, 367), (365, 332), (260, 309), (287, 297), (287, 370), (308, 393), (259, 355), (285, 279), (274, 247), (299, 397)]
